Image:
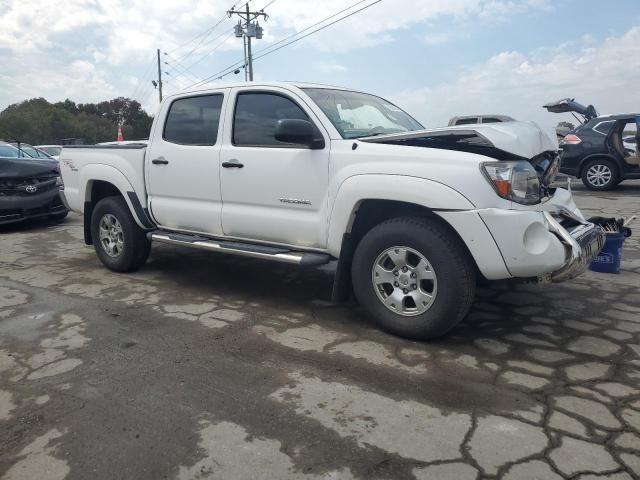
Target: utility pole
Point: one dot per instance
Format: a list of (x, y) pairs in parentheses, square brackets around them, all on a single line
[(249, 58), (247, 31), (159, 78), (244, 48)]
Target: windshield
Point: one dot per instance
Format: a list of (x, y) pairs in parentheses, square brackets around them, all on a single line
[(42, 153), (30, 151), (356, 114), (7, 151), (23, 151), (51, 150)]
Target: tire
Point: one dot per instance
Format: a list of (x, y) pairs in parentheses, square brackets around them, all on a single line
[(449, 263), (130, 246), (600, 174)]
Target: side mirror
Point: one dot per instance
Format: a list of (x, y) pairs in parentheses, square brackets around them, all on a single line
[(298, 132)]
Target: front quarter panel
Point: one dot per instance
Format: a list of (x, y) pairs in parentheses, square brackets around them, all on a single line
[(450, 205)]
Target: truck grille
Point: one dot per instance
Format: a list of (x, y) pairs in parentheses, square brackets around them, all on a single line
[(591, 243), (27, 186)]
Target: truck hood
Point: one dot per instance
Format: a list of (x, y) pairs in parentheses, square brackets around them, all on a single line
[(24, 167), (502, 141)]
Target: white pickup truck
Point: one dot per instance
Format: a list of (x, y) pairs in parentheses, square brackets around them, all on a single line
[(308, 174)]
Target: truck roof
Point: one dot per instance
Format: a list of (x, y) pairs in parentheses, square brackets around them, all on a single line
[(221, 85)]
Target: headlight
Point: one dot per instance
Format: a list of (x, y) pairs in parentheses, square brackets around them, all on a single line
[(515, 181), (59, 182)]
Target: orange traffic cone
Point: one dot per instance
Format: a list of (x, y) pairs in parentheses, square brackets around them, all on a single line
[(120, 137)]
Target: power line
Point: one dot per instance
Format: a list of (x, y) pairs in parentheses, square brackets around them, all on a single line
[(237, 64), (179, 62), (249, 29), (145, 78), (317, 30), (268, 5), (199, 45), (268, 50), (313, 25), (212, 50), (205, 32), (175, 66)]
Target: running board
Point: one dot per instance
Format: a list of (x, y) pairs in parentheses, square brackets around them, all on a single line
[(307, 259)]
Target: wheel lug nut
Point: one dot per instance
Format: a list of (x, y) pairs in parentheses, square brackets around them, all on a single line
[(413, 275), (395, 272), (395, 284), (404, 269), (414, 286), (405, 290)]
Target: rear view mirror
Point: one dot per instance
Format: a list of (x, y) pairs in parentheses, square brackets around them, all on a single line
[(298, 132)]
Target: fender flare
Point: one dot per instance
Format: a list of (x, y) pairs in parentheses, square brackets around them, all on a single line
[(596, 156), (106, 173), (403, 188)]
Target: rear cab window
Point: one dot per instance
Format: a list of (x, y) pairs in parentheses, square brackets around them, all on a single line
[(490, 120), (467, 121), (194, 120)]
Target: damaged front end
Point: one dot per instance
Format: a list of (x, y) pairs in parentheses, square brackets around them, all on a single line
[(542, 236), (581, 239), (29, 189), (525, 158)]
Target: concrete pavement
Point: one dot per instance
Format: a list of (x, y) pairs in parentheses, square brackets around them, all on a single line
[(210, 367)]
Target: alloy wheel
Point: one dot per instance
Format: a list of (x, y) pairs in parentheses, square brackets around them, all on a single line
[(404, 281), (599, 175), (111, 235)]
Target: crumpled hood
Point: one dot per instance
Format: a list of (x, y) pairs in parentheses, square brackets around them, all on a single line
[(520, 139), (25, 167)]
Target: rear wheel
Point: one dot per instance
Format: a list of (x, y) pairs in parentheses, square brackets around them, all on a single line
[(121, 245), (600, 174), (414, 276)]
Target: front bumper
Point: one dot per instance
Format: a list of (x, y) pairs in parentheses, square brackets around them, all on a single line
[(582, 241), (16, 208), (552, 245)]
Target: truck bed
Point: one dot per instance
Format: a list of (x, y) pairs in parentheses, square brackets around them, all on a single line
[(123, 165)]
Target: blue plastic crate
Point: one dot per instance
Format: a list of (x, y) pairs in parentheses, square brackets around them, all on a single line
[(608, 260)]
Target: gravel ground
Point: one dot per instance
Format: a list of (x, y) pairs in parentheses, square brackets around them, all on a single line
[(202, 366)]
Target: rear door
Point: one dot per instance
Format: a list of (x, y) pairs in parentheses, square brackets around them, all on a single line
[(626, 127), (182, 164), (272, 191)]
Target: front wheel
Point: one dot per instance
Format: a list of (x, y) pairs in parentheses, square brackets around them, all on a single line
[(121, 245), (600, 175), (414, 276)]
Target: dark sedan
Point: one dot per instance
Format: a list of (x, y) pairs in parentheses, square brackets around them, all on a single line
[(29, 188)]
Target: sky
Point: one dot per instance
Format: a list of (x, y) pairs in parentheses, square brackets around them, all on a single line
[(434, 58)]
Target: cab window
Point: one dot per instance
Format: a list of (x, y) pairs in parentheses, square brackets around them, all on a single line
[(194, 120), (256, 116)]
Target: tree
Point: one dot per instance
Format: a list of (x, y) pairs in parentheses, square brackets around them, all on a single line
[(68, 105), (566, 125), (37, 121)]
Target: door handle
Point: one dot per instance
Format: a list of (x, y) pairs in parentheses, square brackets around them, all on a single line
[(233, 164), (160, 161)]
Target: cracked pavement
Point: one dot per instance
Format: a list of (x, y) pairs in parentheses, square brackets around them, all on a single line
[(211, 367)]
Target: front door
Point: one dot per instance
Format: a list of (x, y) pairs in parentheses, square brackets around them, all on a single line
[(182, 165), (272, 191)]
